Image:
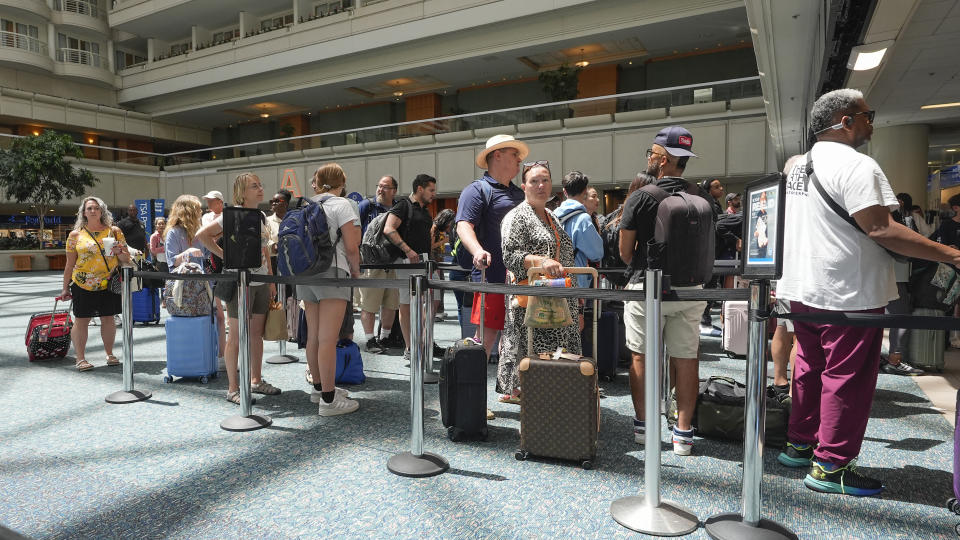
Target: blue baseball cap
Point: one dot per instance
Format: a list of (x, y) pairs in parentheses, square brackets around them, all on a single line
[(676, 140)]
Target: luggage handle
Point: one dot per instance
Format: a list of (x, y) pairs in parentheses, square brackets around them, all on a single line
[(534, 271), (45, 329), (483, 300)]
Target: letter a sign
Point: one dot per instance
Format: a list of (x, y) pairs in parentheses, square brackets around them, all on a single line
[(289, 182)]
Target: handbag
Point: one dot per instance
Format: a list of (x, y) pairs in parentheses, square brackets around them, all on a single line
[(115, 280), (843, 213), (523, 299), (275, 328)]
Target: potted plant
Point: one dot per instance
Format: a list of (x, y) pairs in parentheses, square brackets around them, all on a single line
[(561, 85)]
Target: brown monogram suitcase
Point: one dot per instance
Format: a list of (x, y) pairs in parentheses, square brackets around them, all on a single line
[(559, 402)]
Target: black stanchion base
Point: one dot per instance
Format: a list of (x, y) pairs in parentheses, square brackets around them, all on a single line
[(246, 423), (282, 359), (407, 464), (732, 527), (667, 519), (132, 396)]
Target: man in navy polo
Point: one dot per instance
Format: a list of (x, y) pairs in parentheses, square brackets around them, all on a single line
[(481, 208)]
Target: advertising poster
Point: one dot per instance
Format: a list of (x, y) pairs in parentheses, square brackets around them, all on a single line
[(762, 231)]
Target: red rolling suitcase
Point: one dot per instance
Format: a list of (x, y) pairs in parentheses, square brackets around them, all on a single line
[(48, 334)]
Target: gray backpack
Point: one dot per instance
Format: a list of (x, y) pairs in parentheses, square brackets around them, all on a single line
[(684, 237)]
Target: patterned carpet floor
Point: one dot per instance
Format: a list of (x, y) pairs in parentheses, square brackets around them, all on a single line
[(74, 466)]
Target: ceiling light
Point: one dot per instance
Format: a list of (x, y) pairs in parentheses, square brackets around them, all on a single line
[(582, 63), (264, 115), (951, 149), (869, 56), (941, 105), (90, 140), (397, 93), (35, 134)]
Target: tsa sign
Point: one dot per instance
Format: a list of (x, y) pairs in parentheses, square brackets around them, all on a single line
[(143, 213)]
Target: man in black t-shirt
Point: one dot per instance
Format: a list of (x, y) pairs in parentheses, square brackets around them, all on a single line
[(949, 231), (666, 160), (408, 228), (133, 229)]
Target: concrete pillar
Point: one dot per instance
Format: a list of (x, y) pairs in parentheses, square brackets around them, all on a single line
[(52, 40), (111, 57), (244, 20), (193, 38), (901, 151), (151, 50), (296, 12)]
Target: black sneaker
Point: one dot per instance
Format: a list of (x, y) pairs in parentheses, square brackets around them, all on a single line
[(828, 478), (778, 392), (796, 455), (438, 351), (373, 346), (902, 368)]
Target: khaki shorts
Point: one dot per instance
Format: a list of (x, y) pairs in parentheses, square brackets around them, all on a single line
[(679, 321), (371, 300), (258, 300)]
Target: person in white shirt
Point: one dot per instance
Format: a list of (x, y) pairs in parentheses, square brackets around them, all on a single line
[(215, 204), (831, 266)]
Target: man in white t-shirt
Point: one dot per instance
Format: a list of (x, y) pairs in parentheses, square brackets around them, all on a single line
[(831, 266)]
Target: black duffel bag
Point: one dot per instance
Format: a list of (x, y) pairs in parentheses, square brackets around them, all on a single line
[(719, 412)]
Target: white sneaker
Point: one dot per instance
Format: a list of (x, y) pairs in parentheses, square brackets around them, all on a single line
[(682, 443), (339, 405), (316, 395)]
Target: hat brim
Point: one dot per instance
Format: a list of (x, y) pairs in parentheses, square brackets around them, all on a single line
[(521, 147), (679, 152)]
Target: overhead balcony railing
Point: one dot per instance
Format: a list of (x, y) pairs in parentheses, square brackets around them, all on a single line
[(691, 103), (82, 7), (78, 56), (23, 42)]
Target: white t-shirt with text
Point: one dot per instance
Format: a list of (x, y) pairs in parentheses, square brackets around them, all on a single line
[(827, 263)]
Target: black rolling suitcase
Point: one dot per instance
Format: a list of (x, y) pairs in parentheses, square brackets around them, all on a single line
[(463, 389), (608, 341)]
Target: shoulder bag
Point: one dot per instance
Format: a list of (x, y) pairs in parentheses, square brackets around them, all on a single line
[(115, 280)]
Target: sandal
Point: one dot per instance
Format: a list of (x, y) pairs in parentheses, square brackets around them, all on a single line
[(112, 360), (511, 399), (83, 365), (234, 397)]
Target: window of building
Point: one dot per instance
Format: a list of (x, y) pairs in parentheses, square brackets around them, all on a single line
[(19, 35), (330, 8), (225, 36), (79, 51), (126, 59), (273, 23), (179, 48)]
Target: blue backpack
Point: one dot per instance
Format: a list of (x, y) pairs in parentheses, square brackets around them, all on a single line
[(303, 241)]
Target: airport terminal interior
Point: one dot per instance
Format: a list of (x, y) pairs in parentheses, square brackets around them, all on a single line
[(170, 97)]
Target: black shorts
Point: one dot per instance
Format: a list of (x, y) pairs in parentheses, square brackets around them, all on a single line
[(89, 304)]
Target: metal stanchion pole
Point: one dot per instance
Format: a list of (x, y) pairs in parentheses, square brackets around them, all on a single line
[(648, 513), (283, 357), (416, 463), (749, 525), (426, 328), (128, 394), (246, 420)]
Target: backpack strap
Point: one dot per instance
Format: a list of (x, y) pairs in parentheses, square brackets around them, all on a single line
[(656, 192), (566, 217)]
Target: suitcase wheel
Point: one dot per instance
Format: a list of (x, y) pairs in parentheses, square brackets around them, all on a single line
[(167, 379), (521, 455), (586, 464), (453, 434), (204, 379)]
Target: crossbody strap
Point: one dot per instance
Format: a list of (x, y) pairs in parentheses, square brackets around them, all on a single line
[(100, 247), (827, 198)]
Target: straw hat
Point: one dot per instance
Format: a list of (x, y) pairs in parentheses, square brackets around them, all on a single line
[(496, 143)]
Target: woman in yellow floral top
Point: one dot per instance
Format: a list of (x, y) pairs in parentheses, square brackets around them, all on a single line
[(90, 259)]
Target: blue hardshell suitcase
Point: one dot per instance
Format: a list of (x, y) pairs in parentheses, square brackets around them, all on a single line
[(146, 305), (191, 348)]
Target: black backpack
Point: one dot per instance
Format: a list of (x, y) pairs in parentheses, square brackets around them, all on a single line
[(684, 237), (610, 233)]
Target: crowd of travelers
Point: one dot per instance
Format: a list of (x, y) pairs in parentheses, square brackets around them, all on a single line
[(502, 227)]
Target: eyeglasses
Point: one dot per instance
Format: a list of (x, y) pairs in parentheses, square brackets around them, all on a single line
[(870, 115), (386, 187), (650, 153), (540, 163)]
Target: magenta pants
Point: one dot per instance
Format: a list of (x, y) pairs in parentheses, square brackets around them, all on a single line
[(833, 385)]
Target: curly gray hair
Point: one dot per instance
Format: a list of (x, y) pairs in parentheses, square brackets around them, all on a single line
[(829, 104)]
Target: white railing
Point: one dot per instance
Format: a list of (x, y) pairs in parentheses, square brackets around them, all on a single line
[(21, 41), (77, 56), (83, 7)]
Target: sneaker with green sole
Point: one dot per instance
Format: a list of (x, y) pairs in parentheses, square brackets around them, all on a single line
[(796, 455), (846, 480)]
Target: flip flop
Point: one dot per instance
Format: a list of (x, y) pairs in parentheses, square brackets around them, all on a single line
[(112, 360), (83, 365), (513, 400)]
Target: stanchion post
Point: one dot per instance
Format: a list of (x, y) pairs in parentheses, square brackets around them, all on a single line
[(648, 513), (246, 421), (128, 394), (426, 328), (749, 525), (416, 463), (283, 357)]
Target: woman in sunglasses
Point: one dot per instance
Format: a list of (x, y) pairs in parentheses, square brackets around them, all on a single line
[(532, 237)]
